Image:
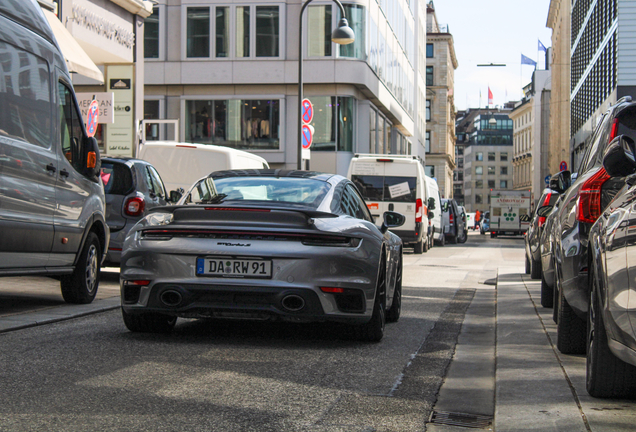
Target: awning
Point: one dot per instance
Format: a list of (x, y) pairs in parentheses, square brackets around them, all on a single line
[(76, 58)]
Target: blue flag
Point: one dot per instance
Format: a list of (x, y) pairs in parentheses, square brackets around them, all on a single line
[(527, 60), (541, 46)]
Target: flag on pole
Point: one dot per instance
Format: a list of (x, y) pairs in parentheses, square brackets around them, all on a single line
[(527, 60), (541, 46), (489, 96)]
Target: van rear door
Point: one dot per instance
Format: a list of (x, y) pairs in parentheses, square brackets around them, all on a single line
[(400, 190), (368, 176)]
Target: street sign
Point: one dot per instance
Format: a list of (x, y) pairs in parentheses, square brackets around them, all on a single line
[(563, 166), (547, 179), (92, 118), (307, 111), (308, 136)]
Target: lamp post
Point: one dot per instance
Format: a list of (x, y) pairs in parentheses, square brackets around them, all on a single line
[(342, 35)]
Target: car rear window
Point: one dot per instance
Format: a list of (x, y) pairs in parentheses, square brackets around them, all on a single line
[(116, 177), (386, 188)]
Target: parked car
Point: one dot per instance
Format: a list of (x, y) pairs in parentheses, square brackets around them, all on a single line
[(533, 234), (484, 223), (582, 204), (547, 259), (454, 223), (396, 183), (266, 245), (435, 219), (611, 335), (52, 202), (133, 187)]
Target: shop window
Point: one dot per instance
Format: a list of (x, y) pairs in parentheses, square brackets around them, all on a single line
[(252, 124)]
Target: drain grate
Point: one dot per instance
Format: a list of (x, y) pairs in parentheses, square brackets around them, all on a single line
[(461, 419)]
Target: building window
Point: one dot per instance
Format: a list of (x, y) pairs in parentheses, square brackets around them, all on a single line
[(479, 156), (479, 170), (319, 31), (151, 35), (198, 39), (428, 109), (373, 116), (223, 31), (479, 184), (333, 123), (427, 146), (430, 170), (429, 50), (479, 199), (491, 184), (267, 31), (252, 124), (356, 18), (503, 156), (503, 184), (491, 156), (242, 31), (504, 170), (491, 170), (429, 75)]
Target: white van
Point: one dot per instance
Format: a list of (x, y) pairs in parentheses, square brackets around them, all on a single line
[(435, 211), (395, 183), (182, 164)]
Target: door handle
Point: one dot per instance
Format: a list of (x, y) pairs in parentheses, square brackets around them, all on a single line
[(64, 173), (51, 168)]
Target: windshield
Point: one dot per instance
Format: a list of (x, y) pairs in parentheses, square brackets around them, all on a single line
[(303, 191)]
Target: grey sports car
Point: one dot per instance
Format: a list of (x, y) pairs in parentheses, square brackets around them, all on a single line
[(265, 245)]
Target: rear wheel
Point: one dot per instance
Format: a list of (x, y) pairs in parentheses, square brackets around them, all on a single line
[(80, 287), (149, 322), (373, 331), (571, 330), (418, 247), (424, 244), (393, 314), (528, 268), (547, 294), (535, 269), (464, 237)]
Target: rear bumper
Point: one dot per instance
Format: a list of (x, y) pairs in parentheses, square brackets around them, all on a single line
[(410, 236)]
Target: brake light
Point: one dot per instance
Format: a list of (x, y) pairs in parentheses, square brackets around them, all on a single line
[(614, 131), (333, 290), (451, 218), (384, 160), (588, 205), (418, 211), (137, 282), (546, 201), (134, 206)]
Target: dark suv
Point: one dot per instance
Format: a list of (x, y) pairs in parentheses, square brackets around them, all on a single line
[(580, 207)]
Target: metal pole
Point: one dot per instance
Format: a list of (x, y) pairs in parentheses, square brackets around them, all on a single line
[(300, 79)]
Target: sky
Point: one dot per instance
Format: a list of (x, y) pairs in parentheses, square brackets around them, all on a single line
[(494, 31)]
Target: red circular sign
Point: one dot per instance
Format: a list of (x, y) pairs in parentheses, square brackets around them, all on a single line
[(92, 117), (308, 136), (308, 111), (563, 166)]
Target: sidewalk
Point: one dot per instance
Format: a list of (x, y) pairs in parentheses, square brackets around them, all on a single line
[(507, 374)]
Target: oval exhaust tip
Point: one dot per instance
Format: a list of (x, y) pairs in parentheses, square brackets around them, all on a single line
[(171, 298), (293, 303)]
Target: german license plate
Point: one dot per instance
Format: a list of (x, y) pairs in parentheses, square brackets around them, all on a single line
[(225, 267)]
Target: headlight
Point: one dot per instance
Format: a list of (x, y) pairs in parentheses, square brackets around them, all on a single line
[(155, 219)]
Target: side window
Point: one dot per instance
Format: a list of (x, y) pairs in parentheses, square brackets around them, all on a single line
[(595, 147), (71, 127), (157, 184), (25, 96), (362, 211)]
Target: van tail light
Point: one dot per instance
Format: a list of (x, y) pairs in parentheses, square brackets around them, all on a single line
[(546, 201), (588, 205), (451, 218), (418, 211), (134, 206)]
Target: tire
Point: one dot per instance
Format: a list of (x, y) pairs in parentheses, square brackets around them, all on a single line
[(547, 294), (535, 269), (149, 322), (493, 235), (464, 237), (555, 298), (424, 244), (417, 248), (80, 287), (393, 314), (373, 331), (443, 240), (528, 266), (607, 376), (571, 330)]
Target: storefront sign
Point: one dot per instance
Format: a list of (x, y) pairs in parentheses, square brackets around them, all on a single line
[(105, 102), (120, 135)]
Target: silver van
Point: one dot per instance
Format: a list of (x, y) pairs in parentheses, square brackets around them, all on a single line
[(51, 196)]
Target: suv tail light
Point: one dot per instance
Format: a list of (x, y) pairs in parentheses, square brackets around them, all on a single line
[(546, 201), (588, 205), (134, 206), (451, 218), (418, 211)]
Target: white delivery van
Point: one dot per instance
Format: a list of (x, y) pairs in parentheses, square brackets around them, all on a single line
[(182, 164), (434, 204), (395, 183), (509, 212)]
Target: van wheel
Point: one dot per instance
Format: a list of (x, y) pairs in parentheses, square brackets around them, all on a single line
[(80, 287), (418, 247), (425, 244)]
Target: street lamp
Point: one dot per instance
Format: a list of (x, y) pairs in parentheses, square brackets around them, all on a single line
[(342, 35)]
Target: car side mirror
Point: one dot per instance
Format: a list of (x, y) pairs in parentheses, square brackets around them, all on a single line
[(545, 210), (175, 195), (392, 220), (92, 162), (618, 159), (560, 182), (431, 204)]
